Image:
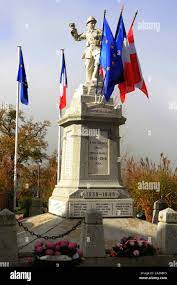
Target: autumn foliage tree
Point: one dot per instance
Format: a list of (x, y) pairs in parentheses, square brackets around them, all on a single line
[(44, 184), (32, 146), (148, 171), (49, 177)]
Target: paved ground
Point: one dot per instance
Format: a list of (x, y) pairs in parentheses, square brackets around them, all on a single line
[(48, 224)]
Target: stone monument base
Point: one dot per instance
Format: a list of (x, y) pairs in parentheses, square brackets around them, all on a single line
[(90, 175), (76, 208)]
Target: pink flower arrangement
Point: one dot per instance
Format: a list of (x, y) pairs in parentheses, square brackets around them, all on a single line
[(62, 247), (133, 247)]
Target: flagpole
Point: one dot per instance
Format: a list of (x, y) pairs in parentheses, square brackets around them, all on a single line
[(16, 139), (121, 12), (59, 148), (59, 136), (134, 19), (99, 57), (122, 9)]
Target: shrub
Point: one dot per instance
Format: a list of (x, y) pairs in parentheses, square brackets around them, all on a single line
[(25, 204), (146, 170)]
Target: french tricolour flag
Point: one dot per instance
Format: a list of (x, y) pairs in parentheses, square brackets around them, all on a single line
[(63, 83)]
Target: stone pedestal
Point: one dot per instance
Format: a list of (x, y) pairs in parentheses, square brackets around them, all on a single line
[(167, 231), (90, 170), (159, 205), (92, 235), (8, 238)]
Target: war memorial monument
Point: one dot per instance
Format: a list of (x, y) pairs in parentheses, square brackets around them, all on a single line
[(90, 166)]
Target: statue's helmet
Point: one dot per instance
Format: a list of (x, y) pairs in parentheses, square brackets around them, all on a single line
[(91, 19)]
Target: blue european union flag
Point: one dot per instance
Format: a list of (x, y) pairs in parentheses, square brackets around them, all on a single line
[(21, 78), (110, 61), (120, 35)]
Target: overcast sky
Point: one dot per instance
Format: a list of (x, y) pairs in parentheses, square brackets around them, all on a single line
[(41, 27)]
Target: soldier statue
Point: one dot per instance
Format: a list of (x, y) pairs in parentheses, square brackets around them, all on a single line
[(92, 52)]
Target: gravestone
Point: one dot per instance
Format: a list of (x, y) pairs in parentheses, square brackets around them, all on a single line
[(90, 169), (36, 207), (92, 235), (8, 238)]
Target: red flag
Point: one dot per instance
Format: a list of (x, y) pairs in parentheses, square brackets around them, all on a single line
[(128, 84), (132, 70), (138, 77)]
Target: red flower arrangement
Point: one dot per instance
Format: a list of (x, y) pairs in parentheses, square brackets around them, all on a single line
[(133, 247)]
